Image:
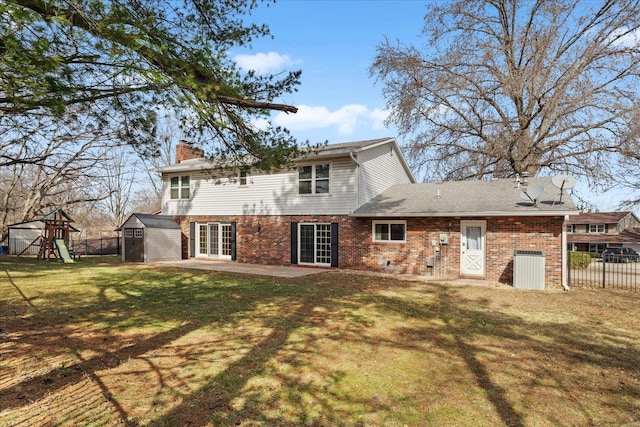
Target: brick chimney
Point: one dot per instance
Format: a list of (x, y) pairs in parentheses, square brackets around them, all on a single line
[(186, 151)]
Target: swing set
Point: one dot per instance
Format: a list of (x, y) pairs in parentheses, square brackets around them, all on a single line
[(54, 237)]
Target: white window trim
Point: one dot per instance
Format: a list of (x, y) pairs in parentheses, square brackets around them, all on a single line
[(597, 228), (219, 243), (389, 222), (180, 187), (246, 178), (313, 178), (315, 248)]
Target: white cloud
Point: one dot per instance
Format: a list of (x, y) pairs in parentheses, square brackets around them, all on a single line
[(378, 117), (260, 123), (345, 119), (263, 63), (627, 39)]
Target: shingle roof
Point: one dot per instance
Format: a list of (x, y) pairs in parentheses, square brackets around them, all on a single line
[(327, 151), (498, 197), (156, 221), (630, 235), (599, 217)]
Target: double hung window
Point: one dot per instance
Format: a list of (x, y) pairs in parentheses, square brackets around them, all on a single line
[(313, 179), (180, 187)]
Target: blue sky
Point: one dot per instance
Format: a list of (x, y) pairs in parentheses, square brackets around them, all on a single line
[(334, 43)]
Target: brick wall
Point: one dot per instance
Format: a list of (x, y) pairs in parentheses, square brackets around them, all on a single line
[(266, 240)]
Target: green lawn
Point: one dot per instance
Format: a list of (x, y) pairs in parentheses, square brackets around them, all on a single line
[(100, 343)]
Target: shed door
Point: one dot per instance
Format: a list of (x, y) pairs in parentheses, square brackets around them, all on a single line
[(472, 248), (134, 244)]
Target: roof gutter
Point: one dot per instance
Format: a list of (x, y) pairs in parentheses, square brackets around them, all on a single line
[(457, 214), (565, 267)]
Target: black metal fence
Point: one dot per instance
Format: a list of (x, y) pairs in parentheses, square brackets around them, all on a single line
[(587, 270), (96, 246)]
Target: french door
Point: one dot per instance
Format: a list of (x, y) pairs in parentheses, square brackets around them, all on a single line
[(215, 240), (314, 244)]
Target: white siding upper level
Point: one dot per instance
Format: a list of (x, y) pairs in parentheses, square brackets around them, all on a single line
[(350, 185), (380, 168)]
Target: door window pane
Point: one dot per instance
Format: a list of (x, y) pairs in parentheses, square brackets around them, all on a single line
[(307, 239), (213, 239), (323, 243), (226, 240), (202, 239), (474, 237)]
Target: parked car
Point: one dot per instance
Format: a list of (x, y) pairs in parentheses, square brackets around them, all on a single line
[(620, 255)]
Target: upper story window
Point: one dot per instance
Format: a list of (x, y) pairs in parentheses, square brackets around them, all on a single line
[(180, 187), (389, 231), (571, 228), (244, 177), (313, 179), (597, 228)]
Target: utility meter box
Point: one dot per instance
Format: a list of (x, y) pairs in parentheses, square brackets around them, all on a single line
[(444, 239)]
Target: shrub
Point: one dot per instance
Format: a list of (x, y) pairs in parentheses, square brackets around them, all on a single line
[(580, 259)]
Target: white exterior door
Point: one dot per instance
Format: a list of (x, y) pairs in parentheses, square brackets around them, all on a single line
[(314, 244), (472, 248), (214, 240)]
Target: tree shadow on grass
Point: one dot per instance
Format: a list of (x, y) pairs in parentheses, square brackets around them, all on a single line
[(572, 358), (157, 308), (131, 301)]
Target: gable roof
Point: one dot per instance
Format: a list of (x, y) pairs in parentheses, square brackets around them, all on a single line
[(153, 221), (36, 224), (599, 217), (498, 197), (55, 212), (325, 152)]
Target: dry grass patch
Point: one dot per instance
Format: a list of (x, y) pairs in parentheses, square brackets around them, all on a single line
[(102, 343)]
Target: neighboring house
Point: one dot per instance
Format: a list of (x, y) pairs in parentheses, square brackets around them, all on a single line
[(356, 205), (596, 231), (150, 238)]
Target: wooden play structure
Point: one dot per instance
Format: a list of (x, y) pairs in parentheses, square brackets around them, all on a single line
[(54, 237)]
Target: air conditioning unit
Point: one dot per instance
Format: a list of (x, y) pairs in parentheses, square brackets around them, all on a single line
[(528, 269)]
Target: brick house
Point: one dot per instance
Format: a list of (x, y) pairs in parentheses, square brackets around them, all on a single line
[(596, 231), (356, 205)]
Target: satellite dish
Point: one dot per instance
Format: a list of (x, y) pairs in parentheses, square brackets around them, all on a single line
[(532, 193), (563, 182)]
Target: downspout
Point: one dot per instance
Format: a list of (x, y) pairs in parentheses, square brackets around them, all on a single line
[(565, 286), (353, 157)]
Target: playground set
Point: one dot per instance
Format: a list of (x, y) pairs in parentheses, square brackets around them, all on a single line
[(54, 237)]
